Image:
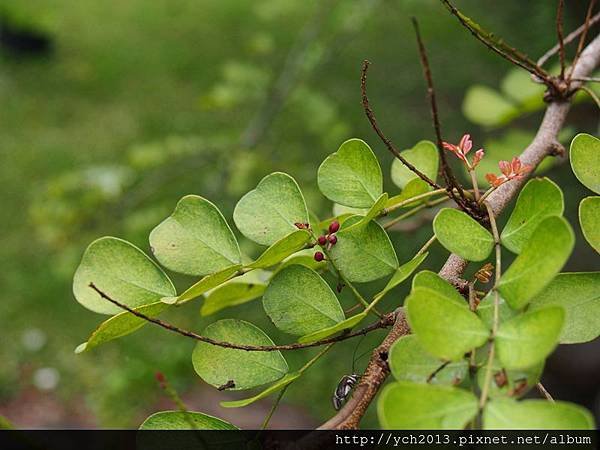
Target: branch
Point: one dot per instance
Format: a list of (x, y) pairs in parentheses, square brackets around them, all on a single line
[(388, 143), (561, 39), (386, 321), (586, 26), (541, 146)]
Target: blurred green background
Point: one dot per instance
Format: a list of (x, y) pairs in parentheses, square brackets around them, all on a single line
[(111, 111)]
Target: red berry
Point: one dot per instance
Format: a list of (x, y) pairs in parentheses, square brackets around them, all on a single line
[(332, 239), (319, 256), (322, 240), (334, 226)]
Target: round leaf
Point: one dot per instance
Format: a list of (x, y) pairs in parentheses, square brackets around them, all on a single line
[(410, 362), (351, 176), (579, 295), (589, 219), (431, 280), (363, 251), (542, 257), (445, 328), (270, 212), (195, 239), (300, 302), (461, 234), (585, 160), (184, 420), (411, 406), (123, 272), (218, 365), (240, 290), (424, 156), (540, 198), (506, 414), (529, 338)]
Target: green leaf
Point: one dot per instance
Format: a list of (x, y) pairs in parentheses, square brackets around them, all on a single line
[(363, 251), (579, 295), (507, 414), (330, 331), (281, 249), (269, 212), (461, 234), (410, 406), (518, 86), (377, 207), (205, 284), (540, 198), (300, 302), (123, 272), (195, 239), (341, 210), (485, 309), (589, 219), (527, 339), (424, 156), (184, 420), (218, 365), (445, 327), (510, 382), (121, 325), (410, 362), (351, 176), (248, 287), (414, 188), (285, 381), (542, 257), (585, 160), (431, 280), (485, 106), (402, 273), (305, 258)]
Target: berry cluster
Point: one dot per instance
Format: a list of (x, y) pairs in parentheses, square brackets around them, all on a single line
[(327, 240)]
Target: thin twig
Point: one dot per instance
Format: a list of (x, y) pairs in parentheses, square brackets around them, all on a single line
[(584, 32), (544, 392), (433, 374), (387, 142), (559, 35), (591, 93), (386, 321), (568, 39), (451, 181)]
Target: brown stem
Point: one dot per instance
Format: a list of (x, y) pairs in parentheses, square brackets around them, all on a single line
[(585, 28), (387, 142), (559, 34), (538, 149), (385, 322)]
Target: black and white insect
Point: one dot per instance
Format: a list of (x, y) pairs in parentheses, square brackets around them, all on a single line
[(343, 389)]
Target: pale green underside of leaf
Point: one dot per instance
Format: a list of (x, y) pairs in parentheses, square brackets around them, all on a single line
[(218, 365), (351, 176), (527, 339), (585, 160), (579, 295), (299, 301), (540, 198), (330, 331), (281, 249), (411, 406), (123, 272), (363, 252), (542, 257), (121, 325), (445, 328), (195, 239), (589, 219), (506, 414), (409, 361), (461, 234), (205, 284), (424, 156), (270, 211), (184, 420), (285, 381)]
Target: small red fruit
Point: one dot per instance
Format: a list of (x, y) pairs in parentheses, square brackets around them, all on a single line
[(322, 240), (319, 256), (334, 226), (332, 239)]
